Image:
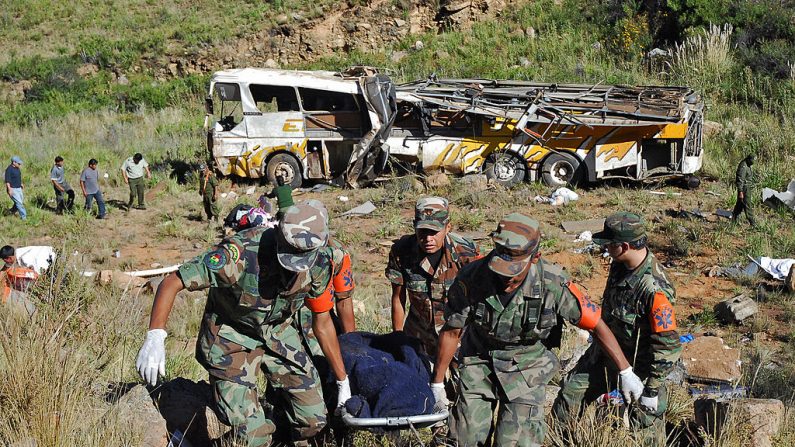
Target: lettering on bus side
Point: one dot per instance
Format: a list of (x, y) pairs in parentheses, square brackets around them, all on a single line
[(293, 125)]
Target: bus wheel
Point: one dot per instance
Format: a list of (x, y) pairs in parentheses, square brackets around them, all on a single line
[(505, 168), (284, 165), (560, 170)]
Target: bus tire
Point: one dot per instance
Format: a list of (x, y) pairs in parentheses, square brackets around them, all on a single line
[(561, 169), (505, 168), (287, 166)]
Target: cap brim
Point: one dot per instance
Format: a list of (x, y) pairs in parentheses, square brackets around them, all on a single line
[(429, 225), (508, 267), (293, 260), (601, 238)]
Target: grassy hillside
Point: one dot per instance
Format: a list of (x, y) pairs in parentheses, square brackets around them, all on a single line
[(86, 81)]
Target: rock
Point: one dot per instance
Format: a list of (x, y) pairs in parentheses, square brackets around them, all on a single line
[(400, 23), (597, 46), (441, 54), (398, 56), (87, 70), (119, 279), (136, 407), (251, 190), (475, 182), (364, 26), (711, 128), (270, 63), (122, 80), (438, 180), (530, 32), (735, 310), (155, 265), (524, 62), (282, 19), (657, 53), (760, 418), (173, 69), (791, 280), (418, 46), (297, 17), (707, 359)]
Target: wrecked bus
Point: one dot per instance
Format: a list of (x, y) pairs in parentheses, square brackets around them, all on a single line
[(343, 126)]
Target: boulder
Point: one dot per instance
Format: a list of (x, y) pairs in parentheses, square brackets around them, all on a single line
[(711, 128), (760, 418), (438, 180), (475, 182), (136, 407), (735, 310), (707, 359)]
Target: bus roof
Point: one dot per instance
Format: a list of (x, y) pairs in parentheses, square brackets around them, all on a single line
[(323, 80)]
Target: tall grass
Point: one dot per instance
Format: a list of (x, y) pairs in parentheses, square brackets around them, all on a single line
[(704, 59)]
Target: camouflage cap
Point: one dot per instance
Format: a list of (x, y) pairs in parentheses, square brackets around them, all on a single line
[(516, 240), (302, 231), (620, 227), (432, 213)]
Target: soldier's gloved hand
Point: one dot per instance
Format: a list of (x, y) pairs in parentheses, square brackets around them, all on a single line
[(440, 396), (343, 391), (631, 386), (649, 403), (152, 356)]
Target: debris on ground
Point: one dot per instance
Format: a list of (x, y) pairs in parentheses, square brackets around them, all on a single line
[(343, 198), (695, 213), (578, 226), (723, 213), (735, 310), (38, 258), (707, 359), (776, 268), (251, 190), (361, 210), (760, 418), (561, 196), (585, 236), (663, 193), (775, 199)]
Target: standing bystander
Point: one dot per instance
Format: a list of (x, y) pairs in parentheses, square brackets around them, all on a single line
[(133, 171), (744, 180), (89, 183), (15, 187), (61, 186), (208, 189)]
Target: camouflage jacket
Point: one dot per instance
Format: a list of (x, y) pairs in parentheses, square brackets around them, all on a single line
[(510, 335), (637, 307), (248, 287), (426, 287), (743, 179)]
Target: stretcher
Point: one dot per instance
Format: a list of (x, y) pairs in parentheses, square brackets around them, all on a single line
[(394, 423)]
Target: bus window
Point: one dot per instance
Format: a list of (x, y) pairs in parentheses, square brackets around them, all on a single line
[(274, 98), (325, 101), (230, 114)]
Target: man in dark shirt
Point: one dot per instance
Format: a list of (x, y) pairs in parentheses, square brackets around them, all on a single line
[(15, 187)]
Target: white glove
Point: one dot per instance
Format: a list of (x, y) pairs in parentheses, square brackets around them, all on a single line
[(343, 391), (649, 403), (152, 356), (631, 386), (440, 396)]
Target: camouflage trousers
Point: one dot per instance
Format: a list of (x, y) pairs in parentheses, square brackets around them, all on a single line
[(288, 369), (591, 378), (210, 207), (516, 395)]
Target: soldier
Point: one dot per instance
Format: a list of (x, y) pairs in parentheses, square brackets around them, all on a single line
[(258, 279), (422, 267), (638, 309), (510, 301), (744, 180), (283, 194), (208, 189)]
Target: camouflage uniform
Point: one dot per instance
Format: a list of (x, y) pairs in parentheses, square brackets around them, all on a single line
[(207, 185), (247, 323), (637, 308), (425, 286), (744, 180), (503, 359)]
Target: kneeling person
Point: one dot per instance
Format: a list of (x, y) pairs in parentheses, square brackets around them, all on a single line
[(257, 280), (509, 302)]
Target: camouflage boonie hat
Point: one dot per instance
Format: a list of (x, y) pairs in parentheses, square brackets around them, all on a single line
[(432, 213), (620, 227), (302, 230), (516, 240)]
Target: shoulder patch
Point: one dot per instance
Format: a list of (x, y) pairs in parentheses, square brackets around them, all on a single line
[(234, 252), (591, 313), (216, 259), (662, 318)]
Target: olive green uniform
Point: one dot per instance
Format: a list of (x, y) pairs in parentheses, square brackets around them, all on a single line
[(637, 307), (743, 180), (207, 186), (502, 358)]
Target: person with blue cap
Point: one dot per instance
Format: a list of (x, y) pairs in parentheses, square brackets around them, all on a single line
[(15, 187)]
